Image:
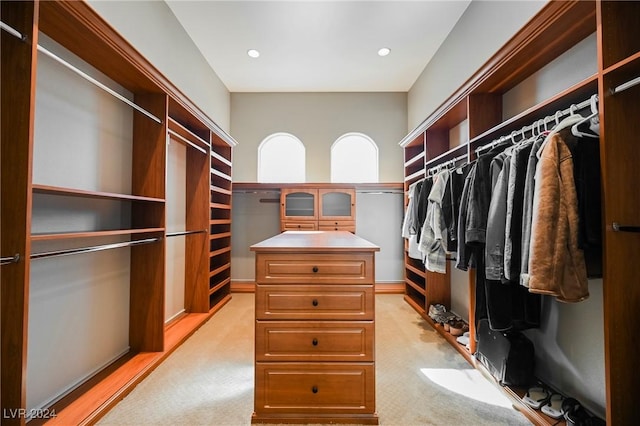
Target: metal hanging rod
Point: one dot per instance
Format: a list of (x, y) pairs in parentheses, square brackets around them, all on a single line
[(624, 86), (94, 248), (176, 234), (624, 228), (447, 163), (13, 31), (98, 84), (12, 259), (538, 123)]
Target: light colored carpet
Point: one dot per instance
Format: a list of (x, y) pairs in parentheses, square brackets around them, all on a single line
[(420, 378)]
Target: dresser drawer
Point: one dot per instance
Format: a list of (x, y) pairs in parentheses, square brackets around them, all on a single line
[(298, 268), (314, 341), (321, 388), (298, 226), (348, 228), (315, 302)]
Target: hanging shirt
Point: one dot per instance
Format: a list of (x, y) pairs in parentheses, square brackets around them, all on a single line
[(433, 237)]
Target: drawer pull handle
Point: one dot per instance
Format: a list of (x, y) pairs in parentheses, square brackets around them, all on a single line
[(314, 342), (315, 269), (315, 302), (314, 389)]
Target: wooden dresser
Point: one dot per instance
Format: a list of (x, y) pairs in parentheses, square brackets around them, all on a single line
[(315, 329)]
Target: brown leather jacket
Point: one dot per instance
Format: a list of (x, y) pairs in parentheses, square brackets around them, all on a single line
[(556, 264)]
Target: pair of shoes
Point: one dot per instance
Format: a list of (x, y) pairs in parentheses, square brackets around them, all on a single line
[(536, 397), (438, 313), (464, 339), (553, 407), (576, 415), (457, 327)]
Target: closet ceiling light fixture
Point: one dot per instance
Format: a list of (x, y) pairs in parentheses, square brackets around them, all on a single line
[(384, 51), (253, 53)]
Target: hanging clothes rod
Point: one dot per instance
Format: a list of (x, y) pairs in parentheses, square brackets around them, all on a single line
[(176, 234), (98, 84), (538, 123), (447, 163), (624, 86), (13, 31), (94, 248), (7, 260)]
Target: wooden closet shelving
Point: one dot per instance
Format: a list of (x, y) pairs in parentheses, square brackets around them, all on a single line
[(555, 29), (76, 27)]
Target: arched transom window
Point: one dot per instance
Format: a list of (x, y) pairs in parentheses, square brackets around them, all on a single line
[(354, 158), (281, 158)]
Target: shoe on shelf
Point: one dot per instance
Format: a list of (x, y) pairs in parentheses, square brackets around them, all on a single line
[(536, 396), (553, 407)]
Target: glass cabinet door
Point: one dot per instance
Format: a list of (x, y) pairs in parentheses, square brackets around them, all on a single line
[(337, 204), (299, 204)]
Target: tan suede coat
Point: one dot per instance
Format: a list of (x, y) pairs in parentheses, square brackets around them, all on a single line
[(556, 264)]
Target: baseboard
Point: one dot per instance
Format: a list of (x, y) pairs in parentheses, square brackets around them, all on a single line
[(382, 287)]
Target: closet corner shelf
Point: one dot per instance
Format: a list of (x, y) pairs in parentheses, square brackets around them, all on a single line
[(414, 159), (69, 192), (219, 252), (419, 173), (221, 158), (220, 190), (220, 269), (90, 234), (220, 206), (416, 287), (220, 222), (218, 286), (415, 270), (219, 235), (222, 175)]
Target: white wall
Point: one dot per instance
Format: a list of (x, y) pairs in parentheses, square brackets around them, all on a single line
[(318, 119), (151, 27), (481, 31)]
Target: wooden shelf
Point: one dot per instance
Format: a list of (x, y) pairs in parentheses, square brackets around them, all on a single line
[(414, 159), (91, 234), (415, 270), (218, 286), (450, 154), (216, 271), (413, 304), (220, 174), (219, 252), (220, 222), (221, 190), (220, 206), (221, 158), (220, 235), (69, 192), (415, 286), (177, 129)]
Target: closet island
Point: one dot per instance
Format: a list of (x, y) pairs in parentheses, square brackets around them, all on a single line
[(315, 327)]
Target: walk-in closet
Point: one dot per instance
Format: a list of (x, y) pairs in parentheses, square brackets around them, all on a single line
[(491, 200)]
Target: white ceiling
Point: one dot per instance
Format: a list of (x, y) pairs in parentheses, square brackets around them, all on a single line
[(318, 46)]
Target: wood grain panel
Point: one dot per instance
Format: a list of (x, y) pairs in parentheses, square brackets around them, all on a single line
[(18, 91), (197, 245)]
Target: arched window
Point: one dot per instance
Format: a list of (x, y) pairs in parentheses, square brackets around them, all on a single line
[(354, 158), (281, 158)]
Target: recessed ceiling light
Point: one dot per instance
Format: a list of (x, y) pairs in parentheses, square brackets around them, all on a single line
[(384, 51), (253, 53)]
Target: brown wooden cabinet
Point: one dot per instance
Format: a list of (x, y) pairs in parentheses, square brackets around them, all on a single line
[(315, 329), (325, 209)]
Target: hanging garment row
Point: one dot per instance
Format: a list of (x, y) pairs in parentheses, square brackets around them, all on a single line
[(524, 214)]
